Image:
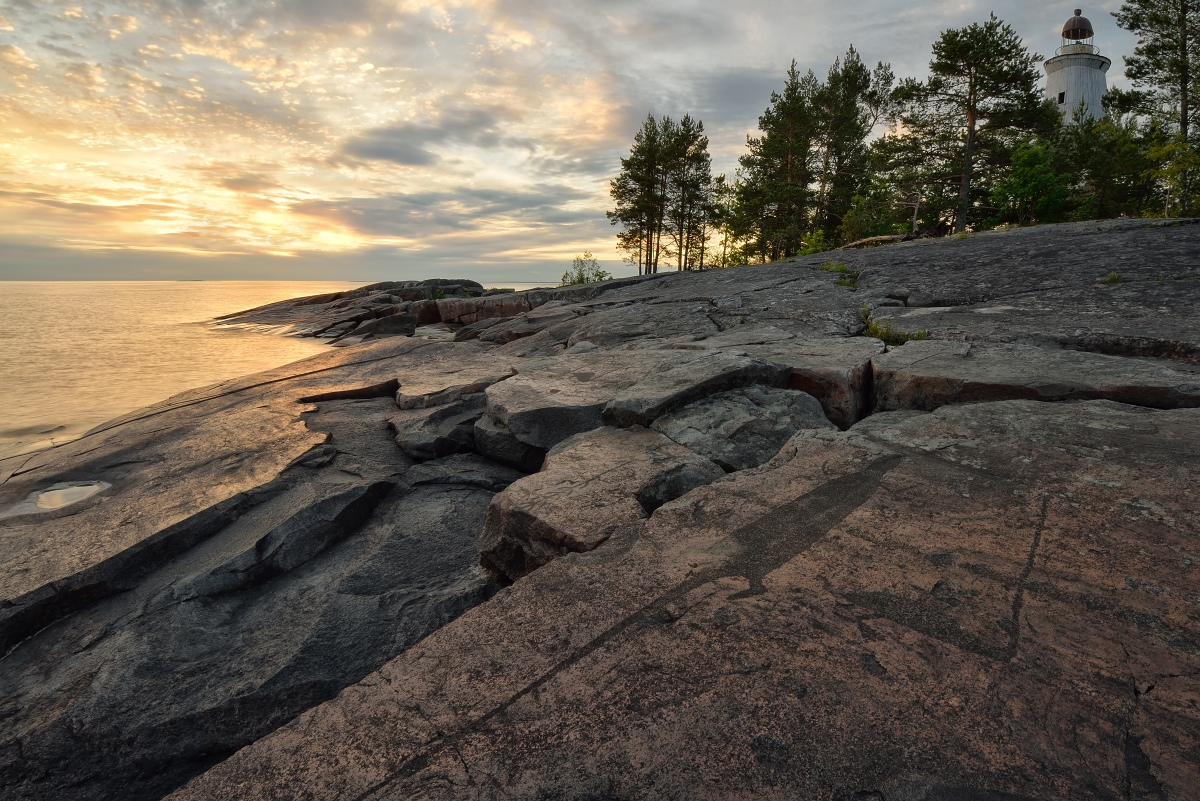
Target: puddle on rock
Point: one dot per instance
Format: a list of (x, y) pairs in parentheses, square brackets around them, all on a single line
[(58, 496), (65, 496)]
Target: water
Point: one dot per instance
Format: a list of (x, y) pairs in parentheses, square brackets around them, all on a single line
[(74, 354)]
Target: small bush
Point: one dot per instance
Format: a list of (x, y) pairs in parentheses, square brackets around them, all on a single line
[(815, 243), (439, 294), (584, 270), (1112, 278), (885, 330), (498, 289)]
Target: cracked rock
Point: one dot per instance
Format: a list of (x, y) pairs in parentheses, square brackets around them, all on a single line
[(590, 485)]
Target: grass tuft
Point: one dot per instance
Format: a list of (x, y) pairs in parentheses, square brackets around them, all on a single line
[(1112, 278), (849, 277), (885, 330)]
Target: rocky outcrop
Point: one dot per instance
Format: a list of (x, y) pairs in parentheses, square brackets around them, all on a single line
[(928, 374), (742, 428), (590, 485), (748, 552)]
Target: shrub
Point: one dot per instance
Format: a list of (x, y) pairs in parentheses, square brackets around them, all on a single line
[(584, 270)]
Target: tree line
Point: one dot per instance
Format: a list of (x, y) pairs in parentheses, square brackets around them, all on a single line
[(975, 145)]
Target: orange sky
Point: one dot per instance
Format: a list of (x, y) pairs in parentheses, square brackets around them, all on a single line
[(386, 138)]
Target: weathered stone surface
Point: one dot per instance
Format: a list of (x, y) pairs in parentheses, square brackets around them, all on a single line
[(837, 371), (742, 428), (554, 398), (856, 617), (157, 639), (928, 374), (494, 441), (445, 430), (590, 485), (404, 325), (530, 323), (879, 612), (688, 379)]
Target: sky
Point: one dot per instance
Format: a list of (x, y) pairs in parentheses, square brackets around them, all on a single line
[(393, 139)]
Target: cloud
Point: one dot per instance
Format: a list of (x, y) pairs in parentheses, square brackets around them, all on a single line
[(473, 132), (424, 214), (412, 143), (11, 54)]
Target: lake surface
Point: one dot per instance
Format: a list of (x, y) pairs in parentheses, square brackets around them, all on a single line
[(74, 354)]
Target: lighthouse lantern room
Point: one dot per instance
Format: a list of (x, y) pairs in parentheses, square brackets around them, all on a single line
[(1076, 74)]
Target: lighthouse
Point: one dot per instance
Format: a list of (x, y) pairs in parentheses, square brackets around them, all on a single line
[(1076, 73)]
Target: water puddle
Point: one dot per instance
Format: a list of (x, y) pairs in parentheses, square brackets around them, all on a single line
[(58, 496)]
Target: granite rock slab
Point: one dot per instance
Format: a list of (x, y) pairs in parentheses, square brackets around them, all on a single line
[(742, 428), (994, 600), (927, 374), (590, 484)]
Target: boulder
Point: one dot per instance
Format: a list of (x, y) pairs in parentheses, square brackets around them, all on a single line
[(496, 442), (551, 399), (403, 325), (590, 485), (837, 371), (741, 428)]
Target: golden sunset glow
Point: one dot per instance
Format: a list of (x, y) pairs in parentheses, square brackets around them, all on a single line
[(384, 134)]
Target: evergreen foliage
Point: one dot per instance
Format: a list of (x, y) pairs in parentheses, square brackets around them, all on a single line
[(974, 145), (664, 195)]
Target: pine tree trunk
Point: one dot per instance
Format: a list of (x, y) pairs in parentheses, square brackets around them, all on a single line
[(964, 197), (1185, 79)]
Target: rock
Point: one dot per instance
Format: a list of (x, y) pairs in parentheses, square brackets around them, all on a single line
[(554, 398), (495, 441), (284, 548), (404, 325), (530, 323), (447, 429), (835, 370), (742, 428), (687, 380), (868, 612), (590, 485), (928, 374), (855, 614)]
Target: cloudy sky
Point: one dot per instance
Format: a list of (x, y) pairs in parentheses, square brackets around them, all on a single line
[(371, 139)]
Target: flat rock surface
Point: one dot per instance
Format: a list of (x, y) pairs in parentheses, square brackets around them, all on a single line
[(990, 601), (275, 590), (927, 374)]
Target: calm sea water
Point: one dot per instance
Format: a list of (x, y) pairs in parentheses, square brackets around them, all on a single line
[(74, 354)]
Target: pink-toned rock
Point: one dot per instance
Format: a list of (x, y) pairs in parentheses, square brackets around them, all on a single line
[(590, 485), (991, 601), (837, 371)]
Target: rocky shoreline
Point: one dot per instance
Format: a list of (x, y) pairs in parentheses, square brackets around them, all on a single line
[(685, 536)]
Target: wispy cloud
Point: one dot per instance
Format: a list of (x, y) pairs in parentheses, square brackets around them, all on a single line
[(364, 132)]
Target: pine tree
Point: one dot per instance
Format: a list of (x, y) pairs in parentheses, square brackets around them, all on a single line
[(1167, 59), (662, 194), (774, 194), (1167, 56), (982, 95), (848, 106)]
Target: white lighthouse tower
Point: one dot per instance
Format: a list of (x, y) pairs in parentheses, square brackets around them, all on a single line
[(1076, 73)]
